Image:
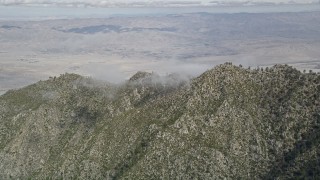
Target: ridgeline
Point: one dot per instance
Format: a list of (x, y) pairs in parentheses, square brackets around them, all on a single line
[(230, 122)]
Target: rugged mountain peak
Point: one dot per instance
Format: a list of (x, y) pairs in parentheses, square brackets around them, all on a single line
[(140, 75), (230, 123)]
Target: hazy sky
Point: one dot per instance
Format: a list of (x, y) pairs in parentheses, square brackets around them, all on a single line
[(103, 3)]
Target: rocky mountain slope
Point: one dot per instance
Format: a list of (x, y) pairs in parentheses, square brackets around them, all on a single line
[(230, 122)]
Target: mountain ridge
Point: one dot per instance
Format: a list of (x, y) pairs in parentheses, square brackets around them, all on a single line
[(230, 122)]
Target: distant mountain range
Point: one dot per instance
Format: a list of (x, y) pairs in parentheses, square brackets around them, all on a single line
[(229, 123), (153, 3)]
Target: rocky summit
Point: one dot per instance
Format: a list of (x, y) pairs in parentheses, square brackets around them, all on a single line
[(229, 123)]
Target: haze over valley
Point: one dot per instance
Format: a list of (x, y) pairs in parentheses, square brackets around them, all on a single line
[(116, 47)]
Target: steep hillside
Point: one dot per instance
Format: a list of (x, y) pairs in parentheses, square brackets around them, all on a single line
[(230, 122)]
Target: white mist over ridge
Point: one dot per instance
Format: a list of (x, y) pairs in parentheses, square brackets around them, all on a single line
[(147, 3)]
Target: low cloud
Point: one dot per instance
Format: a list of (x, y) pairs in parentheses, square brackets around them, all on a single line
[(110, 73), (181, 67), (115, 73)]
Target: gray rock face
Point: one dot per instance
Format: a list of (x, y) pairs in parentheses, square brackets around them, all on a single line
[(230, 122)]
